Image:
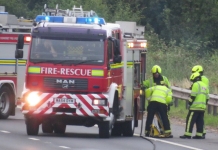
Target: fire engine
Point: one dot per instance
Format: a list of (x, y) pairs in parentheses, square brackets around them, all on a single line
[(12, 70), (82, 71)]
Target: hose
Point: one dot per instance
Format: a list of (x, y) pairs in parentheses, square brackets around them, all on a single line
[(154, 146)]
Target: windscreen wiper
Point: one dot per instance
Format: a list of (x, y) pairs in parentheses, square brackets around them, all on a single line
[(40, 61), (64, 62), (85, 61)]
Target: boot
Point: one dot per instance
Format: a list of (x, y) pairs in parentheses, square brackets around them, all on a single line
[(185, 137), (168, 135), (198, 137)]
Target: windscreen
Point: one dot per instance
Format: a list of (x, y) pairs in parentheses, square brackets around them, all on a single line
[(62, 50)]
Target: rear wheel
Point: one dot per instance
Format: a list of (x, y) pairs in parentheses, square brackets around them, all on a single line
[(59, 128), (104, 129), (6, 102), (129, 126), (47, 127), (32, 126), (117, 129)]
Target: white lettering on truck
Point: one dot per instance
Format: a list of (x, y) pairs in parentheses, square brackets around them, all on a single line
[(66, 71)]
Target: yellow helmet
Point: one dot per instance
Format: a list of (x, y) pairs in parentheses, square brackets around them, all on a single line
[(194, 76), (197, 68), (156, 69)]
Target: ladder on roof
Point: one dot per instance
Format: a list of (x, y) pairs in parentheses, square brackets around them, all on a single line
[(75, 12)]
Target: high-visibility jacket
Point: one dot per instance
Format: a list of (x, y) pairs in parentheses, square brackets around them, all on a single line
[(201, 93), (205, 80), (159, 93), (150, 82)]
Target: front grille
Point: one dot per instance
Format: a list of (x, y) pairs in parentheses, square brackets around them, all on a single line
[(71, 84)]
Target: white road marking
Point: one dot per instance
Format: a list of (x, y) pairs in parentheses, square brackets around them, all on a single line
[(172, 143), (4, 131), (64, 147), (34, 139)]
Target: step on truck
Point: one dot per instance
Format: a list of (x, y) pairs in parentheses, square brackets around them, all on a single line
[(82, 71)]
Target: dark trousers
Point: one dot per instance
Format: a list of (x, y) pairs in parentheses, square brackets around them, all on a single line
[(194, 116), (161, 109)]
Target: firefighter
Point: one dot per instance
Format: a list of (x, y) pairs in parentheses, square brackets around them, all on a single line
[(159, 96), (46, 50), (157, 79), (199, 68), (197, 105)]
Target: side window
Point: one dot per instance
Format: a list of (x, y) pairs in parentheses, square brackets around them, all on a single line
[(117, 35), (113, 35), (110, 49)]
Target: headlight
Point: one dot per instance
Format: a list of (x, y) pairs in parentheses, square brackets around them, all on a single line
[(100, 102), (33, 98)]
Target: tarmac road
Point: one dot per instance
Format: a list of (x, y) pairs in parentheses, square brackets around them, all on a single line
[(13, 137)]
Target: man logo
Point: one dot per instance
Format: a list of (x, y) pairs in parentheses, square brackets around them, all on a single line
[(65, 81), (65, 86)]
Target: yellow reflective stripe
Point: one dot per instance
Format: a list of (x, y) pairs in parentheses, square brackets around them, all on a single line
[(116, 65), (34, 70), (98, 73), (12, 61)]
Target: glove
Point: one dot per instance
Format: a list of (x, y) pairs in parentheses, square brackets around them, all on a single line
[(168, 107), (207, 101)]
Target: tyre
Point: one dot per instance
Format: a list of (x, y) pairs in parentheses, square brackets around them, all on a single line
[(6, 102), (129, 126), (104, 129), (32, 126), (116, 130), (47, 127), (59, 128)]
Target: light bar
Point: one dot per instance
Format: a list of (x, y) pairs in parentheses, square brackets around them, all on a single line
[(62, 19)]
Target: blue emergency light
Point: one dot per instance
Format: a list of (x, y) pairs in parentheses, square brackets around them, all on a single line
[(59, 19), (90, 20), (4, 13), (79, 20)]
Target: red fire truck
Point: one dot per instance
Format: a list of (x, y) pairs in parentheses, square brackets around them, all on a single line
[(79, 71), (12, 70)]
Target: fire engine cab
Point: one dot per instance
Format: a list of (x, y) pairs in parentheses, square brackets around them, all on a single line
[(12, 70), (82, 71)]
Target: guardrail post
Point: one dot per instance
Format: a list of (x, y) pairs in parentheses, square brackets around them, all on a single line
[(214, 110), (186, 104), (176, 102), (209, 109)]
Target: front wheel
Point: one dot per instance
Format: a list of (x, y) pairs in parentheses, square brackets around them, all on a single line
[(6, 101), (32, 126)]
